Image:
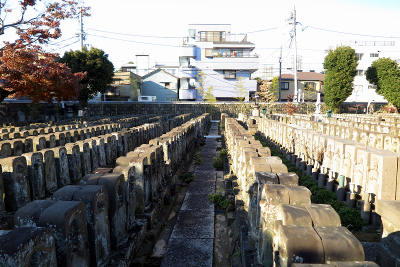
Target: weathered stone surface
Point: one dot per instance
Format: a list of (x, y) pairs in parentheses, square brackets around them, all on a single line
[(2, 206), (39, 143), (16, 184), (66, 220), (323, 215), (74, 162), (50, 173), (193, 252), (5, 149), (96, 199), (339, 244), (61, 164), (290, 178), (129, 178), (27, 246), (36, 175), (116, 188), (94, 154), (298, 244), (86, 163)]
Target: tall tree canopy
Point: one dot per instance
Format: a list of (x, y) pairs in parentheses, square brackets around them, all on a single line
[(340, 65), (99, 71), (385, 74), (25, 68)]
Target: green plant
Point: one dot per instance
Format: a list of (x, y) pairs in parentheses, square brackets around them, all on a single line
[(197, 159), (218, 161), (340, 65), (385, 74), (188, 177), (219, 200), (350, 217)]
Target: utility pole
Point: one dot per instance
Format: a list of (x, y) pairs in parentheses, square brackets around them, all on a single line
[(280, 76), (82, 34), (294, 22)]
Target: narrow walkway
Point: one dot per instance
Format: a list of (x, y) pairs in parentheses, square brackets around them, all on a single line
[(191, 241)]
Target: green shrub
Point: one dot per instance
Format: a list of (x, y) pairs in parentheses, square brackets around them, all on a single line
[(197, 159), (350, 217), (218, 161), (188, 177), (219, 200)]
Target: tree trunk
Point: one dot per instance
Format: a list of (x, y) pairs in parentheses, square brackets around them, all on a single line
[(4, 94)]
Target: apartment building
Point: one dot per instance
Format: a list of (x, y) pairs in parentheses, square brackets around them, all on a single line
[(213, 57), (367, 52)]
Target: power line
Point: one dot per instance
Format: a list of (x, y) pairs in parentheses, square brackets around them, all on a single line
[(138, 35), (59, 48), (59, 42), (349, 33), (132, 41)]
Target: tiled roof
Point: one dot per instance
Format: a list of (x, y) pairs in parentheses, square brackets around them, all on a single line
[(305, 76)]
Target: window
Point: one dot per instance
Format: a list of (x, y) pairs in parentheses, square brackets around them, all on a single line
[(359, 56), (209, 52), (203, 36), (284, 85), (360, 72), (372, 87), (212, 36), (230, 74), (310, 85), (374, 55), (167, 85)]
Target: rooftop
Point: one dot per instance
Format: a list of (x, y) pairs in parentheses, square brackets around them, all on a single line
[(305, 76)]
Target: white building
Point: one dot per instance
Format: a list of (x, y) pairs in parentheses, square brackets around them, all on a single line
[(224, 60), (367, 52)]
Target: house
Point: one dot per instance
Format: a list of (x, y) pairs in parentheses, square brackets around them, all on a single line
[(308, 84), (161, 84), (213, 59), (125, 86), (367, 52)]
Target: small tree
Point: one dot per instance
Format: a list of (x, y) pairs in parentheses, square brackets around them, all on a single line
[(99, 69), (340, 65), (269, 91), (240, 90), (205, 92), (310, 92), (385, 74)]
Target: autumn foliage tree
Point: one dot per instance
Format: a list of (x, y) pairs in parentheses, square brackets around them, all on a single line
[(26, 69), (269, 91)]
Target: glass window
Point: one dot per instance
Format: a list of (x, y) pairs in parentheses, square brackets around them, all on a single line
[(374, 55), (203, 36), (310, 85), (284, 85), (360, 72), (359, 56), (230, 74), (209, 52)]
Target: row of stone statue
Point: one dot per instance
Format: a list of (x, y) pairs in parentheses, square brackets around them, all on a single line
[(285, 227), (99, 217)]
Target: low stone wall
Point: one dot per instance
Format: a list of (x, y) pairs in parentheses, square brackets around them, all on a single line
[(88, 208), (19, 112), (285, 228), (358, 174)]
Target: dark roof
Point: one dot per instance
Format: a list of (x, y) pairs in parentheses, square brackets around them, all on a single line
[(305, 76), (234, 42), (155, 71)]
